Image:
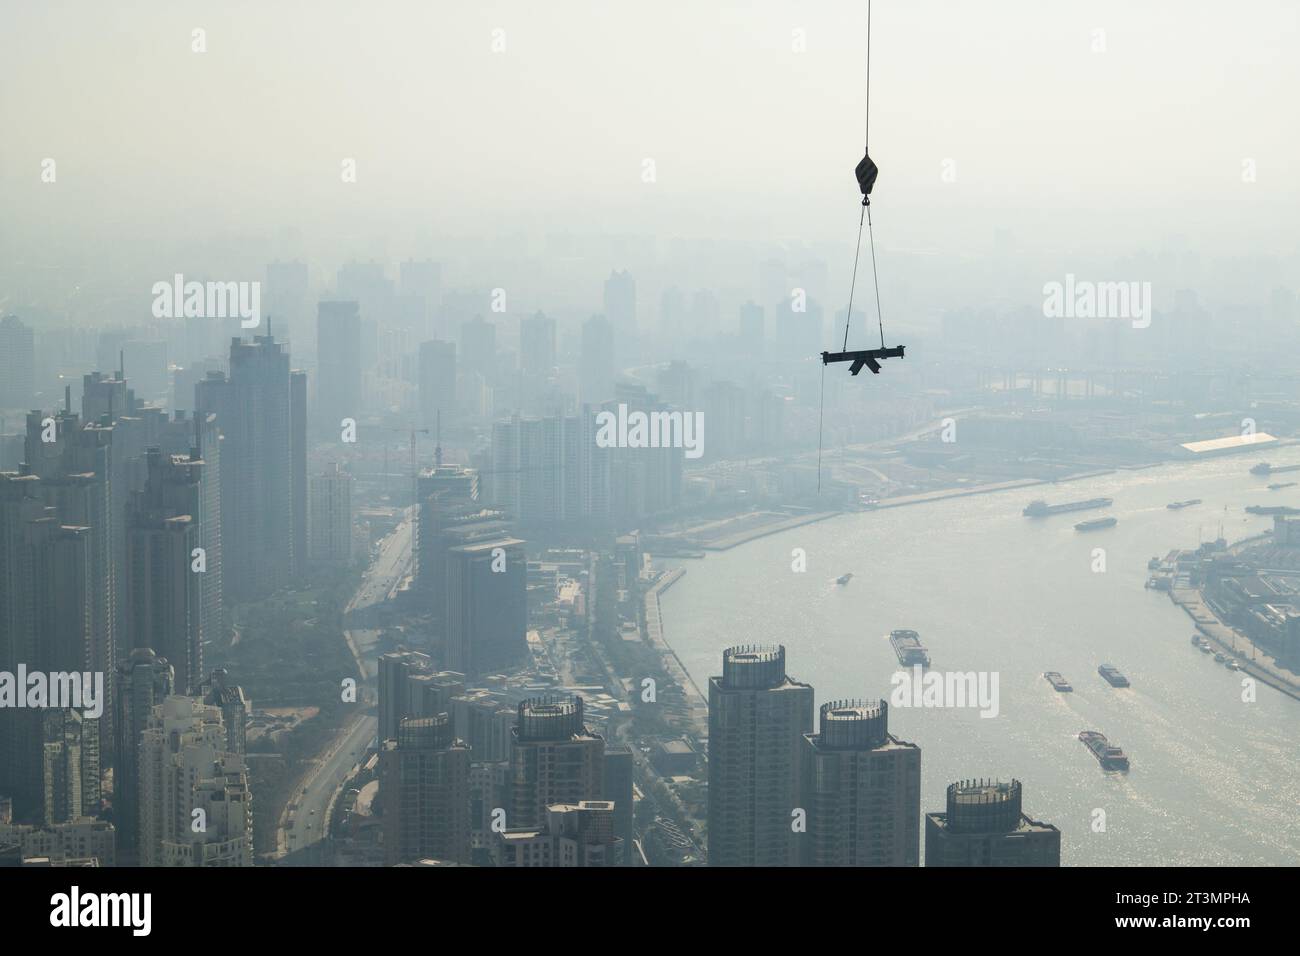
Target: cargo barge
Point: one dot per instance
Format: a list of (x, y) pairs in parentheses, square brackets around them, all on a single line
[(1112, 676), (1264, 468), (1059, 683), (1041, 509), (1108, 755), (1271, 510), (908, 647), (1096, 524)]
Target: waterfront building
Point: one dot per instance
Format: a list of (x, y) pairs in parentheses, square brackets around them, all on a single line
[(861, 790), (757, 718), (984, 826)]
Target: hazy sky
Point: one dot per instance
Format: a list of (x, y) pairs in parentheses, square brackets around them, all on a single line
[(1065, 147)]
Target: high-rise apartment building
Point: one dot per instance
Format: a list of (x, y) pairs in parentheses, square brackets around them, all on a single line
[(437, 383), (984, 825), (596, 368), (298, 468), (329, 518), (861, 790), (486, 619), (620, 774), (285, 300), (537, 345), (195, 805), (554, 759), (420, 283), (620, 304), (424, 791), (550, 471), (17, 361), (757, 719), (218, 691), (253, 411), (144, 681), (164, 590), (410, 687), (338, 363)]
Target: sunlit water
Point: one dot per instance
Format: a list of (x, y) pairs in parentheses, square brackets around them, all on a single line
[(1214, 780)]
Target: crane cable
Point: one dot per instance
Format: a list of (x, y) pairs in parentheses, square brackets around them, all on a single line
[(857, 252), (866, 214)]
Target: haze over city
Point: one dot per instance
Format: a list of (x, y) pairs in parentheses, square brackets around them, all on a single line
[(536, 435)]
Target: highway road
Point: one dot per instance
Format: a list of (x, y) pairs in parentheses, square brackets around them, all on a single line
[(303, 822), (391, 565)]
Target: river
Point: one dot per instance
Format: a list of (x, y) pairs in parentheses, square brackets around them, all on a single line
[(1214, 780)]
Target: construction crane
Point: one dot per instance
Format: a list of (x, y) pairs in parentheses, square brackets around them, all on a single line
[(415, 475)]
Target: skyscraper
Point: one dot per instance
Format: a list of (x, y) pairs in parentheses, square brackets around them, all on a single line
[(420, 282), (218, 691), (253, 410), (486, 606), (617, 786), (437, 383), (757, 719), (751, 328), (395, 668), (861, 790), (596, 369), (642, 481), (329, 518), (537, 345), (298, 468), (185, 768), (338, 363), (984, 826), (164, 593), (620, 305), (550, 471), (286, 301), (80, 479), (424, 792), (143, 682), (478, 347), (554, 759), (70, 765), (17, 360)]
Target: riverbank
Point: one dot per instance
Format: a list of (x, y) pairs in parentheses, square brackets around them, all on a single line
[(654, 635), (1248, 654), (723, 534), (943, 494)]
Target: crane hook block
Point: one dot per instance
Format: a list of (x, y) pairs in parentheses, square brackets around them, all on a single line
[(866, 173)]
